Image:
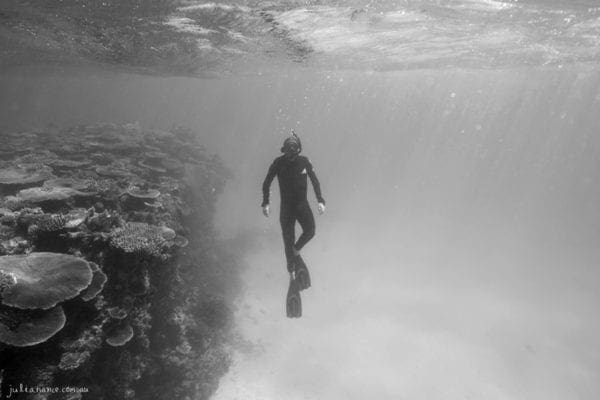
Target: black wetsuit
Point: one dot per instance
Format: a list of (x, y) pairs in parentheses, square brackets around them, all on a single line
[(291, 175)]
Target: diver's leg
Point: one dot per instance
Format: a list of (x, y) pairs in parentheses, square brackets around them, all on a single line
[(307, 222), (287, 219)]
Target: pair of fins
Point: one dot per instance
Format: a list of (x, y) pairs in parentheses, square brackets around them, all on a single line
[(300, 281)]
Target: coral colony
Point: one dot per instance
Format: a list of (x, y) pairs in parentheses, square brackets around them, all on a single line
[(93, 224)]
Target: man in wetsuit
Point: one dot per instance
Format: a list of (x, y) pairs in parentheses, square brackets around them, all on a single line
[(292, 170)]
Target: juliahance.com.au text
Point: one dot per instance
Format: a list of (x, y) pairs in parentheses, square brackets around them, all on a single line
[(44, 389)]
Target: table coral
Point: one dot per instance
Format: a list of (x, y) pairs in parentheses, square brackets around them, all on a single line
[(44, 279), (120, 335), (22, 328), (24, 174), (55, 193), (98, 281)]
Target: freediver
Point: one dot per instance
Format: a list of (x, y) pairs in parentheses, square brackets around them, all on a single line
[(292, 170)]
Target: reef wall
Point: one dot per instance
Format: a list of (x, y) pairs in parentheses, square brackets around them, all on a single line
[(111, 279)]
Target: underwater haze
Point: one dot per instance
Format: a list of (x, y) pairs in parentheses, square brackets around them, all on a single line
[(458, 148)]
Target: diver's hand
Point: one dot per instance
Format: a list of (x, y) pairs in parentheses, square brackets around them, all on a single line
[(321, 208), (266, 210)]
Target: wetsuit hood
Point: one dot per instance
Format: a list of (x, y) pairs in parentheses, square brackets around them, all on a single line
[(292, 144)]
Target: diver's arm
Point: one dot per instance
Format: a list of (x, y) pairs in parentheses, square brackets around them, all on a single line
[(316, 186), (267, 183)]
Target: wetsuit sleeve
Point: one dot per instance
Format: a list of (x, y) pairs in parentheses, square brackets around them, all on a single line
[(267, 183), (315, 182)]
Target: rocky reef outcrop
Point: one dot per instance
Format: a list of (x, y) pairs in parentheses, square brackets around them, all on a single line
[(111, 279)]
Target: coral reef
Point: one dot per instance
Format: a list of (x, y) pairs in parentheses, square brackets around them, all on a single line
[(147, 194), (98, 281), (180, 241), (49, 196), (43, 279), (120, 336), (22, 175), (98, 286), (6, 281), (27, 328), (138, 237)]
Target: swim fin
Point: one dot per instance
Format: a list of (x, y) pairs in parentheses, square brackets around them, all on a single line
[(293, 304), (302, 275)]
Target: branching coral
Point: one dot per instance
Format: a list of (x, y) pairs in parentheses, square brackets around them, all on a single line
[(49, 222), (138, 237), (73, 360)]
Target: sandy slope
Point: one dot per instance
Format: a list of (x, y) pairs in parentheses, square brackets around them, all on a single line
[(409, 320)]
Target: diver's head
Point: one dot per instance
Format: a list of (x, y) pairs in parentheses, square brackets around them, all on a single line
[(291, 147)]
